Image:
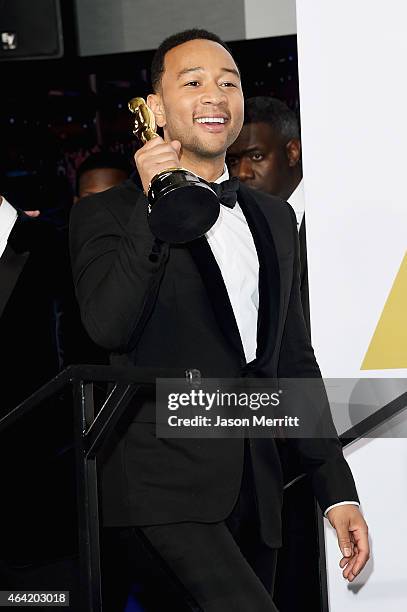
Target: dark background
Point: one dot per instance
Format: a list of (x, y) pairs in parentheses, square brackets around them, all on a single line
[(54, 112)]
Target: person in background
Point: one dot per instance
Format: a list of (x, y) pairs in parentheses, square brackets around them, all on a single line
[(101, 171), (267, 156), (267, 152)]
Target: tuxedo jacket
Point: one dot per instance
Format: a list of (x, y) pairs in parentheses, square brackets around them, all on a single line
[(30, 292), (153, 304)]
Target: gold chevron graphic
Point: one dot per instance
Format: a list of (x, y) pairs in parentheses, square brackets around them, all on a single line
[(388, 346)]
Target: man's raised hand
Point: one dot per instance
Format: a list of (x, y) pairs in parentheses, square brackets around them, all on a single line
[(154, 157)]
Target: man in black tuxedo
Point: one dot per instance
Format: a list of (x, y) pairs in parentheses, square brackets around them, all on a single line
[(209, 508)]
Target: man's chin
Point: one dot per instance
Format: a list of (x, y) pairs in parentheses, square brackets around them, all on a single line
[(256, 186), (210, 149)]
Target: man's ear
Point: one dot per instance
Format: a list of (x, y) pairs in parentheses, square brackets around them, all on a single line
[(155, 103), (293, 151)]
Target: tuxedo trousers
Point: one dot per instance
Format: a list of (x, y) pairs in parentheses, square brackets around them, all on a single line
[(212, 567)]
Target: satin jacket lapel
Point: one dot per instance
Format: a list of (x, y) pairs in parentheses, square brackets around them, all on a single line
[(269, 280), (217, 292)]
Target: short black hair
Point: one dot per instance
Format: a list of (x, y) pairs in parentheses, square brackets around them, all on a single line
[(103, 159), (157, 65), (264, 109)]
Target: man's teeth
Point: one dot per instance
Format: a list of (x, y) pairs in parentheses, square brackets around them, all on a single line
[(211, 120)]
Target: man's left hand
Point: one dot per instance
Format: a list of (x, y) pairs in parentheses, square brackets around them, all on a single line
[(352, 532)]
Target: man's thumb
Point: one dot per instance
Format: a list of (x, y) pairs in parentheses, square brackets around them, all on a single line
[(176, 145), (344, 540)]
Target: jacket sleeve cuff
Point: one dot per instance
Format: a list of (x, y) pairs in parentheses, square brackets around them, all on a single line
[(344, 503)]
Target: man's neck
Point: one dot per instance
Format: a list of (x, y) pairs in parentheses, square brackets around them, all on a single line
[(208, 169)]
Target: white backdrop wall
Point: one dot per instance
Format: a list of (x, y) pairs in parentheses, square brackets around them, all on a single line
[(383, 583), (353, 93)]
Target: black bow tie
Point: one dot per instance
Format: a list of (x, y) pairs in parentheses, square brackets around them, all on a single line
[(227, 191)]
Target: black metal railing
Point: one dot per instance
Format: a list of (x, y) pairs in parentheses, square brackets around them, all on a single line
[(92, 428)]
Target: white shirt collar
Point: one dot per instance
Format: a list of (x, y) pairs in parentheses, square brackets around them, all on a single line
[(224, 176), (297, 201)]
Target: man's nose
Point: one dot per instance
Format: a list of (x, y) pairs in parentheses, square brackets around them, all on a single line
[(244, 169), (213, 94)]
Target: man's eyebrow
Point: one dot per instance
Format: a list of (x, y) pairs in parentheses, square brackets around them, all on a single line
[(245, 151), (232, 71), (187, 70), (199, 68)]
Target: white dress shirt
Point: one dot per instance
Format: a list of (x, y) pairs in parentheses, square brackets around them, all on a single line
[(232, 245), (8, 216)]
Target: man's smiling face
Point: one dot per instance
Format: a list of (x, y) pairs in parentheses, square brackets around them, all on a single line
[(200, 100)]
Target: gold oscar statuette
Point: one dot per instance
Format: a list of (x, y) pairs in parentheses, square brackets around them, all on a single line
[(181, 205)]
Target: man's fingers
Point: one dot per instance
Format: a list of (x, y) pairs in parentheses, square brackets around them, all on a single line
[(162, 157), (344, 562), (156, 156), (349, 569), (353, 565), (32, 213), (362, 545), (151, 144), (176, 145), (157, 143), (344, 539)]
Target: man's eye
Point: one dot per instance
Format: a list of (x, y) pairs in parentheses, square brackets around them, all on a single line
[(257, 156), (232, 161), (228, 84), (192, 84)]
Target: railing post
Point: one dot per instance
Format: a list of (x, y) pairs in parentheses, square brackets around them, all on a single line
[(87, 492)]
